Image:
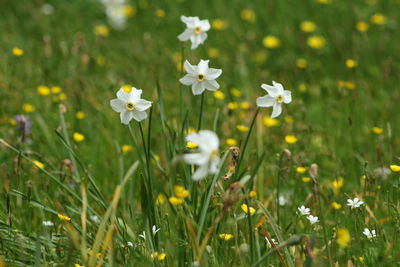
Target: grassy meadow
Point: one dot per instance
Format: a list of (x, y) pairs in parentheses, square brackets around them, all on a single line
[(79, 188)]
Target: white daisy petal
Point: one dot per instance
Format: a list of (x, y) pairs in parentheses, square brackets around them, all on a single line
[(213, 74), (276, 110), (200, 173), (142, 105), (272, 91), (126, 117), (287, 97), (188, 80), (211, 85), (117, 105), (198, 88)]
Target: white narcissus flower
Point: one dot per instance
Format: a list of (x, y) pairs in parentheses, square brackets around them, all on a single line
[(312, 219), (130, 105), (304, 211), (207, 158), (354, 203), (276, 96), (48, 223), (195, 31), (370, 234), (201, 77), (154, 229)]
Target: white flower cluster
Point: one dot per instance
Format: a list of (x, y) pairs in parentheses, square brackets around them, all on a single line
[(115, 13)]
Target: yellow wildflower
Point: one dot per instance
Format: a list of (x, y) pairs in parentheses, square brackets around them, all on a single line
[(301, 63), (242, 128), (55, 89), (316, 41), (126, 149), (160, 200), (191, 145), (43, 90), (253, 193), (158, 256), (378, 19), (308, 26), (336, 206), (377, 130), (127, 88), (78, 137), (351, 63), (219, 24), (101, 30), (63, 217), (306, 179), (62, 97), (244, 105), (213, 53), (291, 139), (246, 209), (350, 85), (28, 108), (181, 192), (17, 51), (271, 41), (395, 168), (337, 184), (78, 265), (248, 15), (362, 26), (160, 13), (236, 92), (129, 11), (219, 95), (342, 237), (301, 170), (226, 237), (302, 87), (38, 164), (231, 142), (270, 122), (233, 105), (176, 201), (80, 115)]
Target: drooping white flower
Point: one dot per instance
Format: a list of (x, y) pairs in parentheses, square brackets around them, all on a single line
[(354, 203), (269, 245), (276, 96), (95, 218), (143, 235), (304, 211), (195, 31), (154, 229), (115, 13), (130, 105), (201, 77), (207, 157), (370, 234), (129, 244), (48, 223), (312, 219)]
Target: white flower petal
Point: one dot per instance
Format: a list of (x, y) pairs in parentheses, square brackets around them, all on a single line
[(213, 74), (134, 95), (126, 117), (142, 104), (287, 97), (195, 158), (200, 173), (198, 88), (211, 85), (122, 95), (214, 165), (279, 87), (265, 101), (185, 35), (210, 140), (188, 80), (204, 24), (117, 105), (139, 115), (190, 68), (276, 111), (272, 91), (203, 67)]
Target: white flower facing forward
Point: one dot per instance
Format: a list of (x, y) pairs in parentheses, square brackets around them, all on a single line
[(370, 234), (312, 219), (304, 211), (48, 223), (207, 158), (201, 77), (276, 96), (354, 203), (195, 31), (130, 105)]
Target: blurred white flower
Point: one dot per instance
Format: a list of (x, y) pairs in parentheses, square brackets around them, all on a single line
[(95, 219), (201, 77), (130, 105), (115, 13), (304, 211), (276, 96), (269, 245), (195, 31), (283, 201), (312, 219), (354, 203), (370, 234), (129, 244), (47, 9), (143, 235), (154, 229), (48, 223), (207, 158)]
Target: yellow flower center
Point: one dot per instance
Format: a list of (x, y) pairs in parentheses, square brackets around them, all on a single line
[(200, 77), (129, 106), (197, 30), (279, 99)]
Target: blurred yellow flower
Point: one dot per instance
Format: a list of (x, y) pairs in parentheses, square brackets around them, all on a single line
[(351, 63), (253, 193), (101, 30), (324, 1), (288, 119), (377, 130), (129, 11), (336, 206), (78, 265), (191, 145), (55, 89), (301, 170), (248, 15), (63, 217), (343, 237), (316, 41), (395, 168), (43, 90), (236, 92), (158, 256), (362, 26), (301, 63), (17, 51), (291, 139), (28, 108), (78, 137), (226, 237), (233, 105), (219, 95), (231, 142), (160, 200), (378, 19), (62, 97), (191, 130), (349, 85), (127, 88), (260, 57), (246, 209), (126, 149), (306, 179), (337, 184), (100, 60), (269, 122), (212, 52), (271, 41), (180, 191), (242, 128), (308, 26), (176, 201), (219, 24), (244, 105), (160, 13), (38, 164), (80, 115)]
